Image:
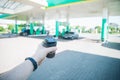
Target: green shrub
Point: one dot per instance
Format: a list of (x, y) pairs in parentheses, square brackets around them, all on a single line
[(1, 29), (10, 26), (98, 29)]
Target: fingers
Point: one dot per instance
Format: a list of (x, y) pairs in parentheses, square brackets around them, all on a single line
[(50, 49)]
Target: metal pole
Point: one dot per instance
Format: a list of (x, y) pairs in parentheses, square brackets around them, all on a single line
[(16, 26)]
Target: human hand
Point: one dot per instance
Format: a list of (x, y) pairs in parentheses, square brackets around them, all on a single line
[(42, 52)]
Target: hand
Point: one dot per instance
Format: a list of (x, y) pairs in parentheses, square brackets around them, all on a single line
[(42, 52)]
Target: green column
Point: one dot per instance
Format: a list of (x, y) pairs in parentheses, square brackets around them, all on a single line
[(63, 32), (67, 18), (16, 28), (43, 29), (103, 30), (67, 27), (12, 31), (37, 31), (31, 28), (57, 29)]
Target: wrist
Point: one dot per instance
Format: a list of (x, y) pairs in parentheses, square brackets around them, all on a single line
[(33, 61), (38, 59)]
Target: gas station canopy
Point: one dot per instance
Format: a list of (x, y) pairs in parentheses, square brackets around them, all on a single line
[(52, 3), (51, 8)]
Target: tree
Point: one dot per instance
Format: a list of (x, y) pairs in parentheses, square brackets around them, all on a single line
[(1, 29), (77, 27), (98, 28), (118, 30), (21, 26), (114, 28), (83, 29), (90, 30), (111, 29), (10, 26)]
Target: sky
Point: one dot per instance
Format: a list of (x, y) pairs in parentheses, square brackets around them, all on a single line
[(88, 21)]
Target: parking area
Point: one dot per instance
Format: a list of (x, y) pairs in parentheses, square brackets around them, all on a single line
[(14, 50)]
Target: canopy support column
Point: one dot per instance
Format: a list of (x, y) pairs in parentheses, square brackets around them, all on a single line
[(104, 31), (16, 26), (67, 18)]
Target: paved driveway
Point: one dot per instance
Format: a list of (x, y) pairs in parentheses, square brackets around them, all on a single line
[(13, 51)]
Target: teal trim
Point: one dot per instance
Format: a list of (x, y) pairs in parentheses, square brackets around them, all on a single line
[(57, 29), (4, 15), (31, 28), (103, 30), (52, 3)]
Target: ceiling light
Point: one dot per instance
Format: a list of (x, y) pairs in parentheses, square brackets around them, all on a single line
[(1, 14), (41, 2)]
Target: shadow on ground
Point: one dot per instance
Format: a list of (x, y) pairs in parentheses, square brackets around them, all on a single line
[(35, 37), (118, 36), (66, 40), (112, 45), (60, 39), (7, 35), (92, 40), (73, 65)]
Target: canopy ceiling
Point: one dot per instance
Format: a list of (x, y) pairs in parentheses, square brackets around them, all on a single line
[(24, 9)]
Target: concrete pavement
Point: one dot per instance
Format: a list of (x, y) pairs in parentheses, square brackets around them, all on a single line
[(13, 51)]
